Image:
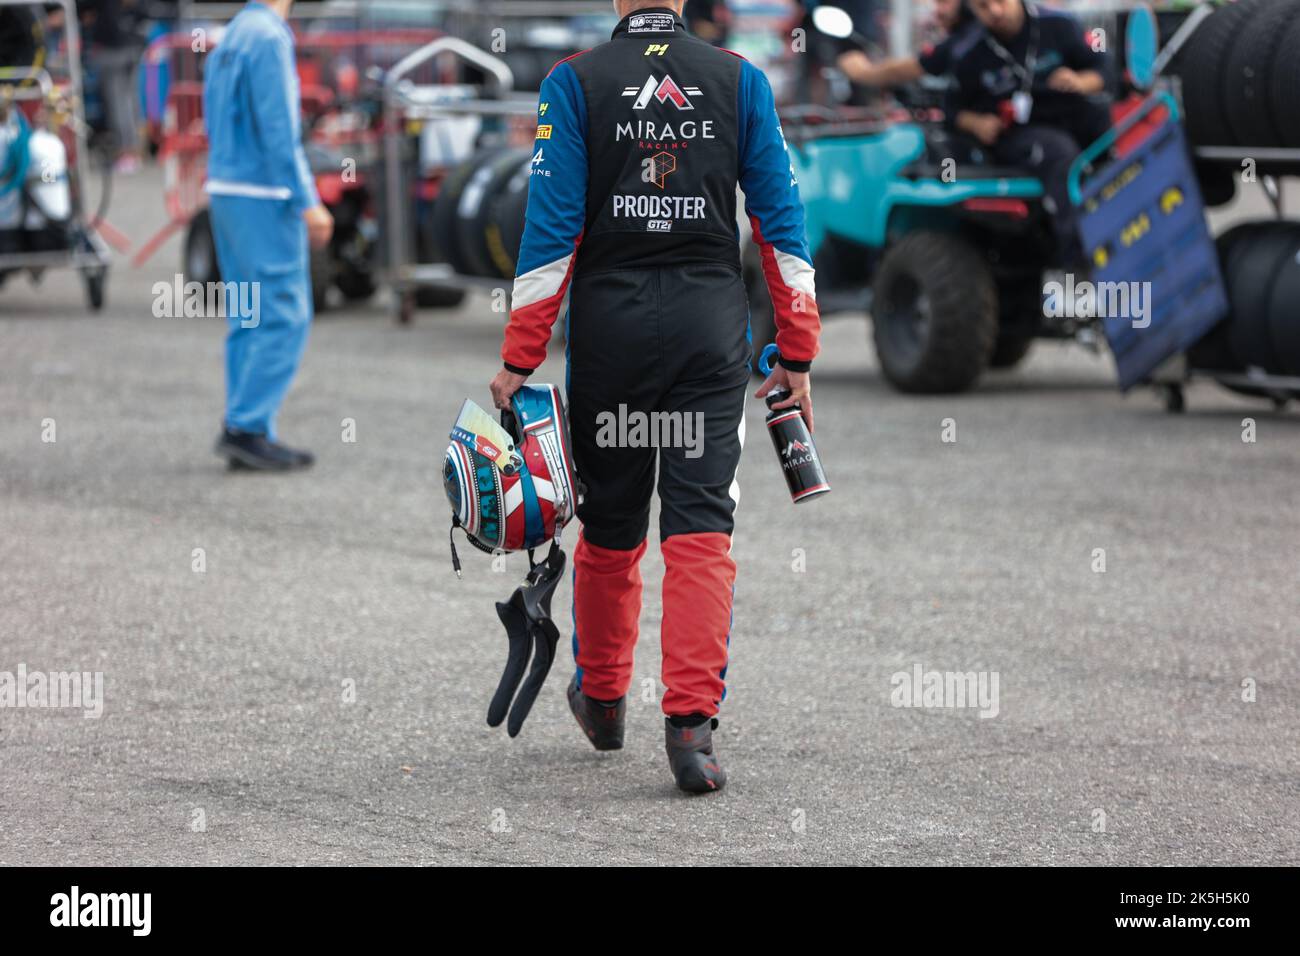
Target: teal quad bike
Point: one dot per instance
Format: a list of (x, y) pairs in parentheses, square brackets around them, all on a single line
[(947, 257)]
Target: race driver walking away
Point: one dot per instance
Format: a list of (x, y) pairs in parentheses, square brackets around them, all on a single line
[(264, 211), (640, 145)]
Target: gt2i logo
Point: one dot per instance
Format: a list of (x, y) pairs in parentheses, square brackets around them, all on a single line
[(655, 169), (664, 91), (542, 108), (656, 49)]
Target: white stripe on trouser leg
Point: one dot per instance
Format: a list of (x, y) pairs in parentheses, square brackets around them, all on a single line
[(734, 491)]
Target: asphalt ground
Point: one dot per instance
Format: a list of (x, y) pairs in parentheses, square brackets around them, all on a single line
[(317, 694)]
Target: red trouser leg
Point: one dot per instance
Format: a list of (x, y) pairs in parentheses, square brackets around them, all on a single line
[(699, 576), (606, 608)]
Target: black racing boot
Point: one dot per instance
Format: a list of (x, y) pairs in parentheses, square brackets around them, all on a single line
[(691, 756), (601, 721), (257, 452)]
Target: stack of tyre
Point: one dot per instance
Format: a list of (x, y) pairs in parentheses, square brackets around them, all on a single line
[(1240, 75), (1240, 79), (477, 222), (1261, 268)]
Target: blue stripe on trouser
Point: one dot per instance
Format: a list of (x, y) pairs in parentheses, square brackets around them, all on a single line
[(731, 619), (573, 603), (262, 245), (573, 610)]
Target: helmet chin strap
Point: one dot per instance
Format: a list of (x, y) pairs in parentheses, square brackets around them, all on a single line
[(451, 540)]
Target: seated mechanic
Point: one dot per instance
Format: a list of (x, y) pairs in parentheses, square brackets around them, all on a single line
[(960, 29), (1025, 91)]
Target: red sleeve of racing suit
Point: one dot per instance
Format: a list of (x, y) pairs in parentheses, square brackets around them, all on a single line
[(776, 214), (557, 211)]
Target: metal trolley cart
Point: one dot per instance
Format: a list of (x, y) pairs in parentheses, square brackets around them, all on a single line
[(1254, 355), (40, 115), (409, 109), (388, 119), (1223, 308), (334, 113)]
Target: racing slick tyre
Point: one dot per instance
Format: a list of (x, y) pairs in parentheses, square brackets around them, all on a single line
[(1235, 243), (1247, 82), (1284, 90), (1214, 352), (762, 320), (439, 296), (439, 240), (480, 237), (1203, 67), (505, 227), (935, 313), (1254, 262), (200, 261), (1284, 309), (356, 285)]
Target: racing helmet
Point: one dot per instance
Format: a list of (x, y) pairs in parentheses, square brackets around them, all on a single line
[(512, 485)]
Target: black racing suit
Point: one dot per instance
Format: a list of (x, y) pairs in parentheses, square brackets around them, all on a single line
[(641, 143)]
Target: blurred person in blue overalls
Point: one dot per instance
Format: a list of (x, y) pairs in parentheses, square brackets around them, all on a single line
[(265, 211)]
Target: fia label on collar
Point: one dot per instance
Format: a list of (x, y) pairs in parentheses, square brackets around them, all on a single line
[(651, 23)]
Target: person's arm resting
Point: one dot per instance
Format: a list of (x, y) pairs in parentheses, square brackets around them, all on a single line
[(857, 66)]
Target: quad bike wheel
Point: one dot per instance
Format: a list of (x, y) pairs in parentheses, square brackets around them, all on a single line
[(935, 313)]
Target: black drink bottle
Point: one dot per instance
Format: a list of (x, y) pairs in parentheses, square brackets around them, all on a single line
[(793, 442)]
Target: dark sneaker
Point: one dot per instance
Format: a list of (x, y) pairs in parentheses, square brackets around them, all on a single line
[(602, 722), (259, 453), (691, 756)]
